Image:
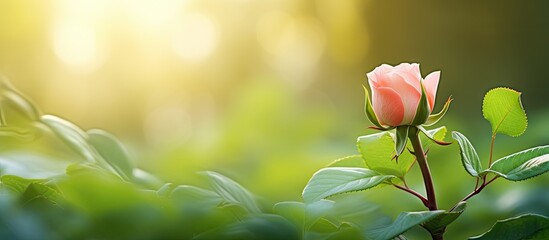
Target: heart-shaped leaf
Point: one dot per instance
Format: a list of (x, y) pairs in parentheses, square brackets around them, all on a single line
[(378, 150), (469, 156), (522, 165), (335, 180), (503, 109)]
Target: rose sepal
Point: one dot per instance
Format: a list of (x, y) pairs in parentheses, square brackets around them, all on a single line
[(423, 110), (401, 139), (369, 110), (434, 118)]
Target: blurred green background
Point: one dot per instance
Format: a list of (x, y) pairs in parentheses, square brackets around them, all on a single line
[(268, 92)]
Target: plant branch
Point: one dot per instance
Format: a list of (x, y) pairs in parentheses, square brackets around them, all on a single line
[(422, 162), (491, 150), (479, 189), (411, 191)]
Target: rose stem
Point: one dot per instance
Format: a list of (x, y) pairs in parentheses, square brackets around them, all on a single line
[(413, 135)]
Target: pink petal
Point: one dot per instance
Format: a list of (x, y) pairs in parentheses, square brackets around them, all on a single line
[(409, 95), (410, 73), (431, 86), (387, 106)]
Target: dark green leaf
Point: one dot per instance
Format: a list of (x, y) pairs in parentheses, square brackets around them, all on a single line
[(522, 165), (469, 156), (438, 224), (403, 222), (401, 139), (335, 180), (528, 226)]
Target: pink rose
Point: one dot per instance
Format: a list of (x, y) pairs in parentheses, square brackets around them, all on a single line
[(396, 92)]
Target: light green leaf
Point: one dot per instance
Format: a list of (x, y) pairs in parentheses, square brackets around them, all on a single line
[(12, 97), (315, 211), (423, 110), (378, 151), (37, 190), (196, 195), (335, 180), (72, 135), (438, 224), (16, 183), (434, 118), (24, 135), (112, 150), (21, 104), (291, 210), (401, 139), (349, 161), (434, 135), (528, 226), (232, 192), (403, 222), (469, 156), (503, 109), (146, 179), (522, 165)]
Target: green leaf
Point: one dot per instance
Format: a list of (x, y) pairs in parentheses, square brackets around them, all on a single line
[(401, 139), (404, 221), (146, 179), (435, 135), (291, 210), (24, 135), (438, 224), (423, 110), (112, 150), (335, 180), (378, 149), (37, 190), (349, 161), (522, 165), (528, 226), (196, 195), (315, 211), (30, 189), (469, 157), (13, 98), (369, 110), (503, 109), (16, 183), (72, 135), (434, 118), (232, 192)]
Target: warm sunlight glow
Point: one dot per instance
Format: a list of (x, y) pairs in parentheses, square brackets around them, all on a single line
[(76, 45), (196, 38)]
